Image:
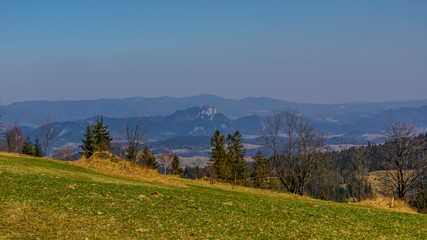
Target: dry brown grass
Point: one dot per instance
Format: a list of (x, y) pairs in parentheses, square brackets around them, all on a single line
[(382, 194), (376, 179), (380, 187), (388, 203), (107, 163)]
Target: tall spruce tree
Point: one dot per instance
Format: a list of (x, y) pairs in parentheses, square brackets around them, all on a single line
[(236, 156), (147, 158), (27, 147), (101, 135), (218, 159), (37, 148), (175, 169), (260, 170), (96, 138), (89, 144)]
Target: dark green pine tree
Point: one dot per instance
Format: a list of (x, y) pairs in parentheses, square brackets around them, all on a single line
[(175, 169), (27, 147), (89, 143), (147, 158), (218, 157), (101, 135), (260, 170), (37, 148), (236, 156)]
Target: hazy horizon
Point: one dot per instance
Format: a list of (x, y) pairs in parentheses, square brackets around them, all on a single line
[(207, 94), (305, 52)]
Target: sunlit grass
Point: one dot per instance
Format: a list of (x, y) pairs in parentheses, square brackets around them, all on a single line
[(55, 200)]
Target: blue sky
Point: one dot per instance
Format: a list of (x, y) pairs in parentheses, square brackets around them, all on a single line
[(301, 51)]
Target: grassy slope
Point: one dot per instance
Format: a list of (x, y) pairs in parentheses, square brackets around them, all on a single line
[(50, 200)]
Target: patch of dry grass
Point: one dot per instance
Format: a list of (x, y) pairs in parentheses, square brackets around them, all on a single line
[(379, 186), (382, 193), (107, 163), (388, 203)]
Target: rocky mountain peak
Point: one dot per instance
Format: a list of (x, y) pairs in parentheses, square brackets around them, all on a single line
[(207, 113)]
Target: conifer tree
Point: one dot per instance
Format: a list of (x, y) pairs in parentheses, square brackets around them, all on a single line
[(96, 138), (175, 169), (37, 148), (218, 157), (27, 147), (260, 170), (147, 158), (89, 145), (236, 156), (101, 135)]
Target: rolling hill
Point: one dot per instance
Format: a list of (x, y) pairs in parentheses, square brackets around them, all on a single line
[(45, 199)]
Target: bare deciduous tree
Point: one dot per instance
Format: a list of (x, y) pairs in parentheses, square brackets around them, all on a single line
[(165, 159), (13, 138), (63, 153), (305, 153), (405, 168), (211, 173), (291, 119), (270, 134), (301, 151), (134, 134), (48, 132), (118, 148), (361, 168)]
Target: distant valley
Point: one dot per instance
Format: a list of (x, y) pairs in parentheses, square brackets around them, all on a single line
[(186, 124)]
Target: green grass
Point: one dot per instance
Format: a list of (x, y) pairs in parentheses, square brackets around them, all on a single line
[(43, 199)]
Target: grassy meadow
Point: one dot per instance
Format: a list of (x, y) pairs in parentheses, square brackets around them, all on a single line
[(46, 199)]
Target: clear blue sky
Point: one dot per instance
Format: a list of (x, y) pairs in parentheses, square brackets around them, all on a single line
[(301, 51)]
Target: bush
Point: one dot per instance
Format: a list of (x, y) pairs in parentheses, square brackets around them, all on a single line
[(420, 201), (323, 195)]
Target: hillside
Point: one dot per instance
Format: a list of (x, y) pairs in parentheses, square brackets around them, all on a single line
[(45, 199)]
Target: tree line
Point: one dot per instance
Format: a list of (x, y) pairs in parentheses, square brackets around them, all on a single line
[(227, 160), (292, 166), (299, 163), (97, 138), (12, 139)]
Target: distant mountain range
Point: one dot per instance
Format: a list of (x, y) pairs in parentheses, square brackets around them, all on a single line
[(196, 121), (171, 123), (33, 113)]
